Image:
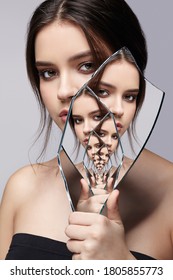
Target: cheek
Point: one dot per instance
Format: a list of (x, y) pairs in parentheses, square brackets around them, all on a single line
[(107, 102), (93, 124), (43, 89), (81, 79), (78, 131), (114, 146), (90, 155), (131, 113), (47, 92), (44, 96)]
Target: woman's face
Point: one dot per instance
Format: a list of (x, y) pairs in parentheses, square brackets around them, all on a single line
[(86, 116), (64, 62), (94, 145), (108, 135), (118, 90)]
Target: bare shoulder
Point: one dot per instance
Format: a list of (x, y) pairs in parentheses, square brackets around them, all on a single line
[(26, 179), (160, 166), (21, 186), (149, 154), (17, 182), (12, 196), (21, 181)]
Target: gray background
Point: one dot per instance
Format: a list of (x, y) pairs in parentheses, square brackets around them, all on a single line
[(19, 115)]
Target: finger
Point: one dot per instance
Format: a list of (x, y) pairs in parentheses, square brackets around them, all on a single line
[(110, 184), (93, 181), (74, 246), (112, 207), (82, 218), (76, 257), (77, 232), (85, 192)]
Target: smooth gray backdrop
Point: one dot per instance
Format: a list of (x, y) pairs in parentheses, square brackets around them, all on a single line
[(19, 115)]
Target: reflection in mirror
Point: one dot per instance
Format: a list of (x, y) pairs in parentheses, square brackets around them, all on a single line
[(109, 122)]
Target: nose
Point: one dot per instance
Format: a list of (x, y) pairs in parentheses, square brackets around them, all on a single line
[(109, 141), (66, 88), (93, 152), (86, 128), (117, 108)]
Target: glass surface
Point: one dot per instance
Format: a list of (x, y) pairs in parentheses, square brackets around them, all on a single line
[(109, 122)]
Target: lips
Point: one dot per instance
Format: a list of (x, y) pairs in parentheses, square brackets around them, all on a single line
[(119, 126), (63, 115), (85, 141)]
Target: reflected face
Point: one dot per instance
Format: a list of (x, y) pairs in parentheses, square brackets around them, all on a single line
[(102, 156), (86, 116), (93, 147), (118, 90), (64, 62), (97, 152), (108, 135), (102, 159)]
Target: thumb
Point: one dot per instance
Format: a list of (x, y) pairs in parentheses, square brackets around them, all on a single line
[(85, 190), (110, 184), (112, 207), (93, 182)]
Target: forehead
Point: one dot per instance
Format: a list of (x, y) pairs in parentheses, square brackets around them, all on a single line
[(83, 100), (120, 70), (62, 38), (93, 140), (108, 124)]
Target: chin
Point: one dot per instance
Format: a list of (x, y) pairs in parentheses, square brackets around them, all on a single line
[(60, 125)]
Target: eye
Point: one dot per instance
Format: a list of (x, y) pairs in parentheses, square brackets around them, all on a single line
[(130, 97), (87, 67), (102, 93), (101, 134), (47, 74), (115, 136), (98, 146), (77, 120), (97, 117)]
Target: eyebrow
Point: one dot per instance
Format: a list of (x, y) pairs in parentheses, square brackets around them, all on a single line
[(103, 130), (80, 55), (75, 57), (102, 83), (107, 85), (90, 114), (107, 131), (44, 63)]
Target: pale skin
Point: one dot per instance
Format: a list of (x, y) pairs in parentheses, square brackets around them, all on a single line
[(35, 197), (88, 118), (118, 90)]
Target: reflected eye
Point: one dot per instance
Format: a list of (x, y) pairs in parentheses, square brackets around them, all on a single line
[(101, 134), (77, 121), (115, 136), (97, 117), (47, 74), (102, 93), (98, 146), (87, 67)]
